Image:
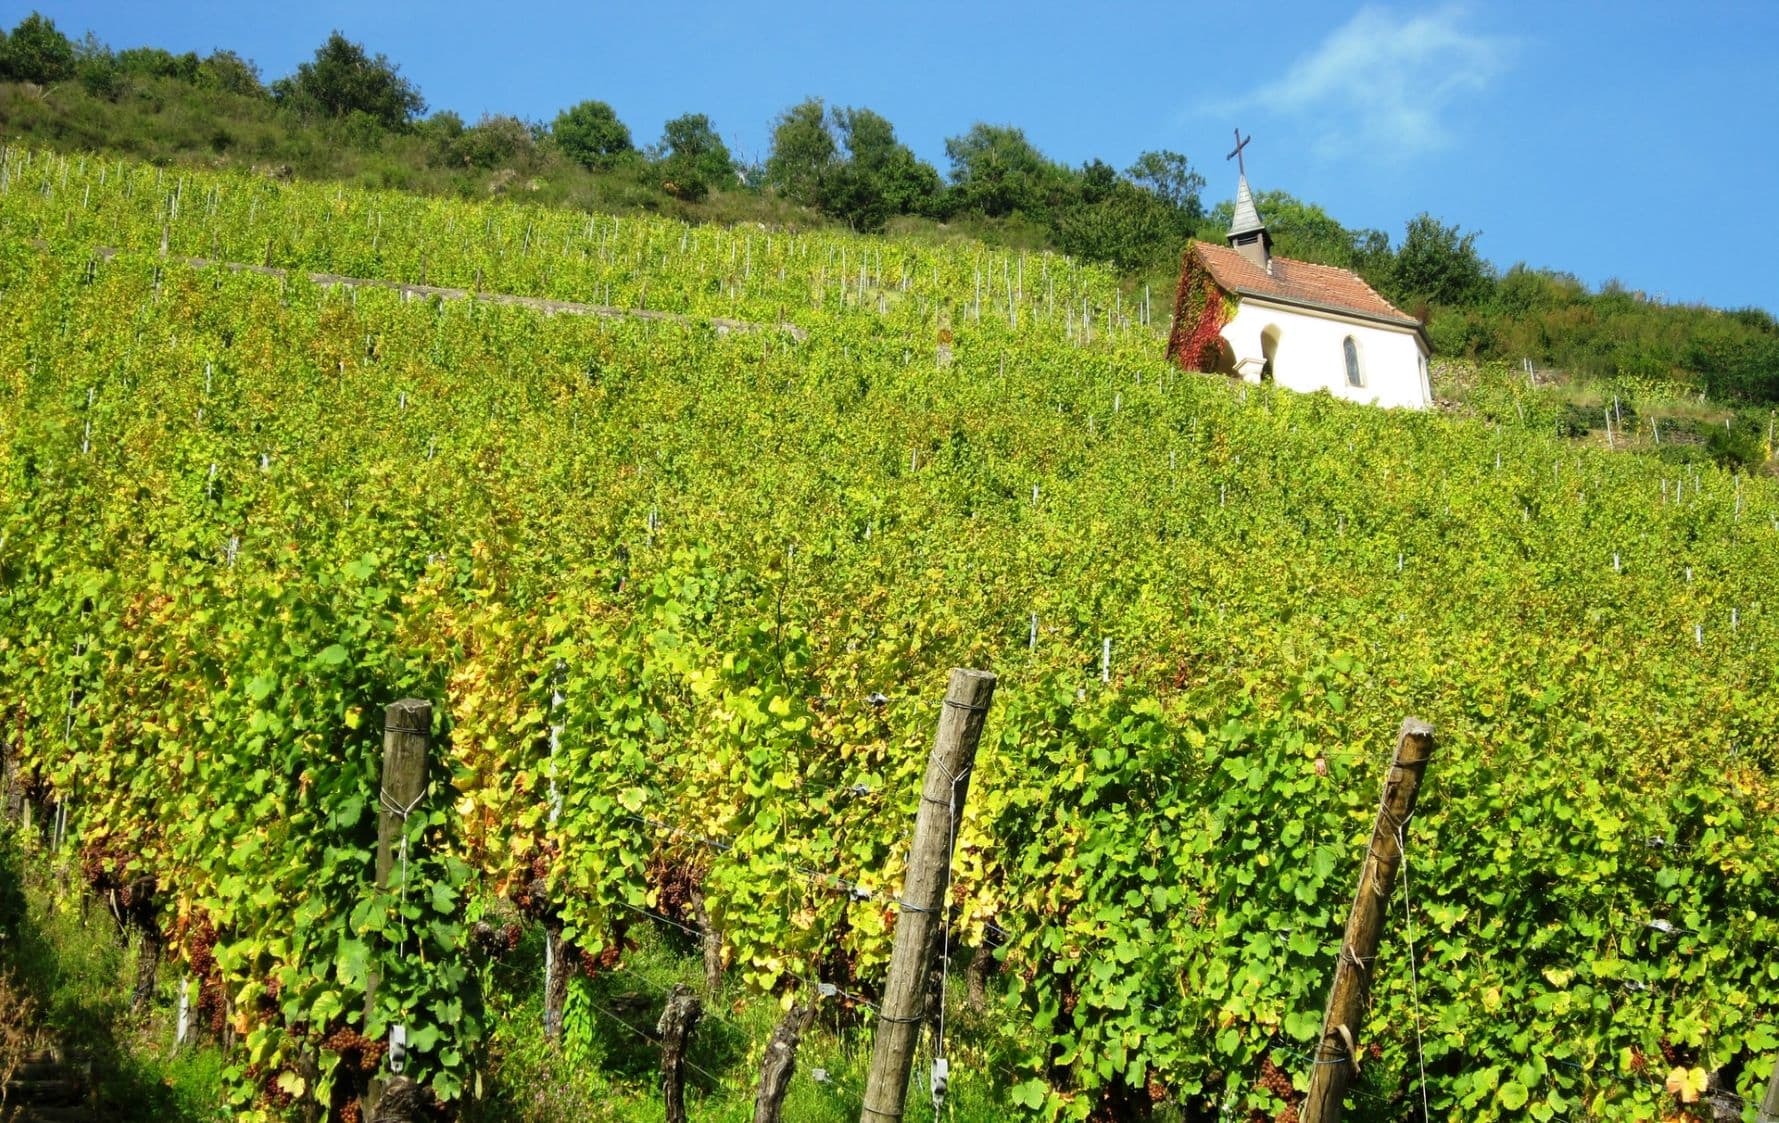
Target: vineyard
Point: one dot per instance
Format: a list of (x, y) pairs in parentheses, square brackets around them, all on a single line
[(684, 601)]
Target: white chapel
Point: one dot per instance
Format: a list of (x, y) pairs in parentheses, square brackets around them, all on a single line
[(1242, 311)]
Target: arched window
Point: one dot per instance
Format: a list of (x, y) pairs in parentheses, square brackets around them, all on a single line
[(1354, 377)]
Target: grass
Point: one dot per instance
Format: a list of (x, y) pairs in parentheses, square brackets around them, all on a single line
[(63, 956), (608, 1065), (71, 974)]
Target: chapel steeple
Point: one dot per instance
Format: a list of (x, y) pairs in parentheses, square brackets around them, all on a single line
[(1247, 234)]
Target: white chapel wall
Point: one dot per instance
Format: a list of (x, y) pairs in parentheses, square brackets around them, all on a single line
[(1310, 357)]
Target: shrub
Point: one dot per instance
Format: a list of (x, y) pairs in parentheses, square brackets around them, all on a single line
[(36, 52), (591, 135), (343, 79)]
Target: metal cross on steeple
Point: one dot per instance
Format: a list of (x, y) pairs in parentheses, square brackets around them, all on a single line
[(1241, 142)]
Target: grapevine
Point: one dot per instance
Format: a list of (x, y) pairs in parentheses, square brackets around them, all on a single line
[(240, 513)]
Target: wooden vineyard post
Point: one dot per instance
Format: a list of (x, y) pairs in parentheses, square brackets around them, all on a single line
[(924, 891), (407, 729), (1769, 1103), (676, 1025), (1336, 1050)]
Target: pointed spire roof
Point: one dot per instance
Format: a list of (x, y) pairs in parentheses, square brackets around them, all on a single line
[(1247, 219)]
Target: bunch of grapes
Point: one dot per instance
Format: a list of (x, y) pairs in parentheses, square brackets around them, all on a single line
[(1278, 1082), (675, 882), (356, 1051)]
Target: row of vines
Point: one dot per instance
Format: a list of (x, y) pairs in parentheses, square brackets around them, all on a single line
[(239, 514), (93, 203)]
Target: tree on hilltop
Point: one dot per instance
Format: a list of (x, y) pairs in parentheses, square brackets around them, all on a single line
[(36, 52), (691, 158), (591, 135), (1439, 263), (804, 153), (343, 79), (228, 71), (1169, 177), (1114, 219), (996, 171), (880, 177)]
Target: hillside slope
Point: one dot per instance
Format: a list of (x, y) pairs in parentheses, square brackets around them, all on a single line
[(239, 514)]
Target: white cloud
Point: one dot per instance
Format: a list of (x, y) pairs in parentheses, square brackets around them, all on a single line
[(1381, 83)]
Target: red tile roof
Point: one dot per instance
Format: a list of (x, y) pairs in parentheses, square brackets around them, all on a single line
[(1301, 282)]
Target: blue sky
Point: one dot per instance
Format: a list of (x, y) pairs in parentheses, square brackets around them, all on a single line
[(1636, 141)]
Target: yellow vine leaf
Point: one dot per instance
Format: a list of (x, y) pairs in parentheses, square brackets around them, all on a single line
[(1687, 1083)]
